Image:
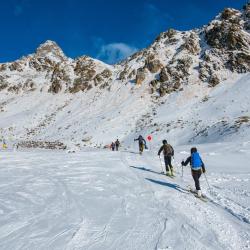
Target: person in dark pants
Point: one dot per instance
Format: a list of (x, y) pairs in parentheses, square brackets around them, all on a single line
[(113, 146), (197, 168), (117, 145), (168, 152), (142, 143)]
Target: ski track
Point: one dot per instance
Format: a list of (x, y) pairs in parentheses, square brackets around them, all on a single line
[(112, 200)]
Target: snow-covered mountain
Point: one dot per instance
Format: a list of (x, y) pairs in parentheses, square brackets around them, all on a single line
[(187, 86), (191, 88)]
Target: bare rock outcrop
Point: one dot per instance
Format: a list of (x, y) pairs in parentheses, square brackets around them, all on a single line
[(140, 76)]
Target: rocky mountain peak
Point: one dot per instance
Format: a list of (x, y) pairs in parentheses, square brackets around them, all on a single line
[(50, 49), (176, 58)]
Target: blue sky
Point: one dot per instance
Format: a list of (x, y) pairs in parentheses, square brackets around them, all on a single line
[(106, 29)]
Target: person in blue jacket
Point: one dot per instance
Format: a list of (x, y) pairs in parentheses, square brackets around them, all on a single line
[(197, 168)]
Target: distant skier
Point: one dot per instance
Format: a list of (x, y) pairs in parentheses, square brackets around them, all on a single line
[(142, 143), (112, 146), (4, 144), (168, 152), (197, 168), (117, 145)]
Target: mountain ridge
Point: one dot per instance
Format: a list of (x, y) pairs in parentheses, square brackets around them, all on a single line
[(173, 54), (86, 102)]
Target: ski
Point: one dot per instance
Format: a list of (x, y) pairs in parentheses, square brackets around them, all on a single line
[(203, 197), (170, 176)]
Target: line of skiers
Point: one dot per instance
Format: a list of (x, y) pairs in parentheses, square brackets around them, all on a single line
[(115, 145), (194, 160)]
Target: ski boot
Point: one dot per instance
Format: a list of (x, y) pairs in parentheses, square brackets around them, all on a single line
[(168, 173), (199, 193), (172, 172)]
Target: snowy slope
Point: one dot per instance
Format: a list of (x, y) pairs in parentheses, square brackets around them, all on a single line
[(195, 115), (187, 86), (201, 115), (191, 88), (120, 200)]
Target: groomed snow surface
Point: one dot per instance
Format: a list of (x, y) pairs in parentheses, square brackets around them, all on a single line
[(99, 199)]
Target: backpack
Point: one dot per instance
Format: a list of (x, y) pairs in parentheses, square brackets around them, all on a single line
[(196, 160), (168, 150), (140, 139)]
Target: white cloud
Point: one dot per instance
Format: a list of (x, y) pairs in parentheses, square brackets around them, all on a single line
[(115, 52)]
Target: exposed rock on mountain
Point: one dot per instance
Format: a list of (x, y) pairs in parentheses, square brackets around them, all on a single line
[(49, 86), (172, 60), (140, 76), (50, 50)]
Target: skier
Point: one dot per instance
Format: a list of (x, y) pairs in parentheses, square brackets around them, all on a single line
[(113, 146), (168, 152), (142, 143), (4, 144), (197, 168), (117, 145)]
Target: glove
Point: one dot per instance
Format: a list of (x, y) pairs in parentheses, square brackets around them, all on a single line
[(182, 163), (203, 170), (158, 154)]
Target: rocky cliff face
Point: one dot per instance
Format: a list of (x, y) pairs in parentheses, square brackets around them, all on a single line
[(48, 69), (207, 55), (49, 100)]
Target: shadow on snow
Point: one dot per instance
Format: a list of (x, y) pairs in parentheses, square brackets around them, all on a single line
[(147, 169), (170, 185), (163, 183)]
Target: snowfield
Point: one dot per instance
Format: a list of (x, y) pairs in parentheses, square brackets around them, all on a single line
[(98, 199), (189, 88)]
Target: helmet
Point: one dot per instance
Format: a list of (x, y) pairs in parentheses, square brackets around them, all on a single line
[(193, 150), (164, 142)]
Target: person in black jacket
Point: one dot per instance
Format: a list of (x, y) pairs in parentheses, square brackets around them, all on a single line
[(168, 152), (117, 145), (197, 168), (113, 146), (142, 143)]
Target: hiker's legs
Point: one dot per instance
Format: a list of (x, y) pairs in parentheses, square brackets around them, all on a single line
[(196, 175), (166, 160)]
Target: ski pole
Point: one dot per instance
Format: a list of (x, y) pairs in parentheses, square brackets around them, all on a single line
[(161, 163), (182, 170), (207, 182)]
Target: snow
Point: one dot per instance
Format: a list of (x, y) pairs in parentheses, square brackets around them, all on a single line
[(98, 199), (200, 115), (87, 197)]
